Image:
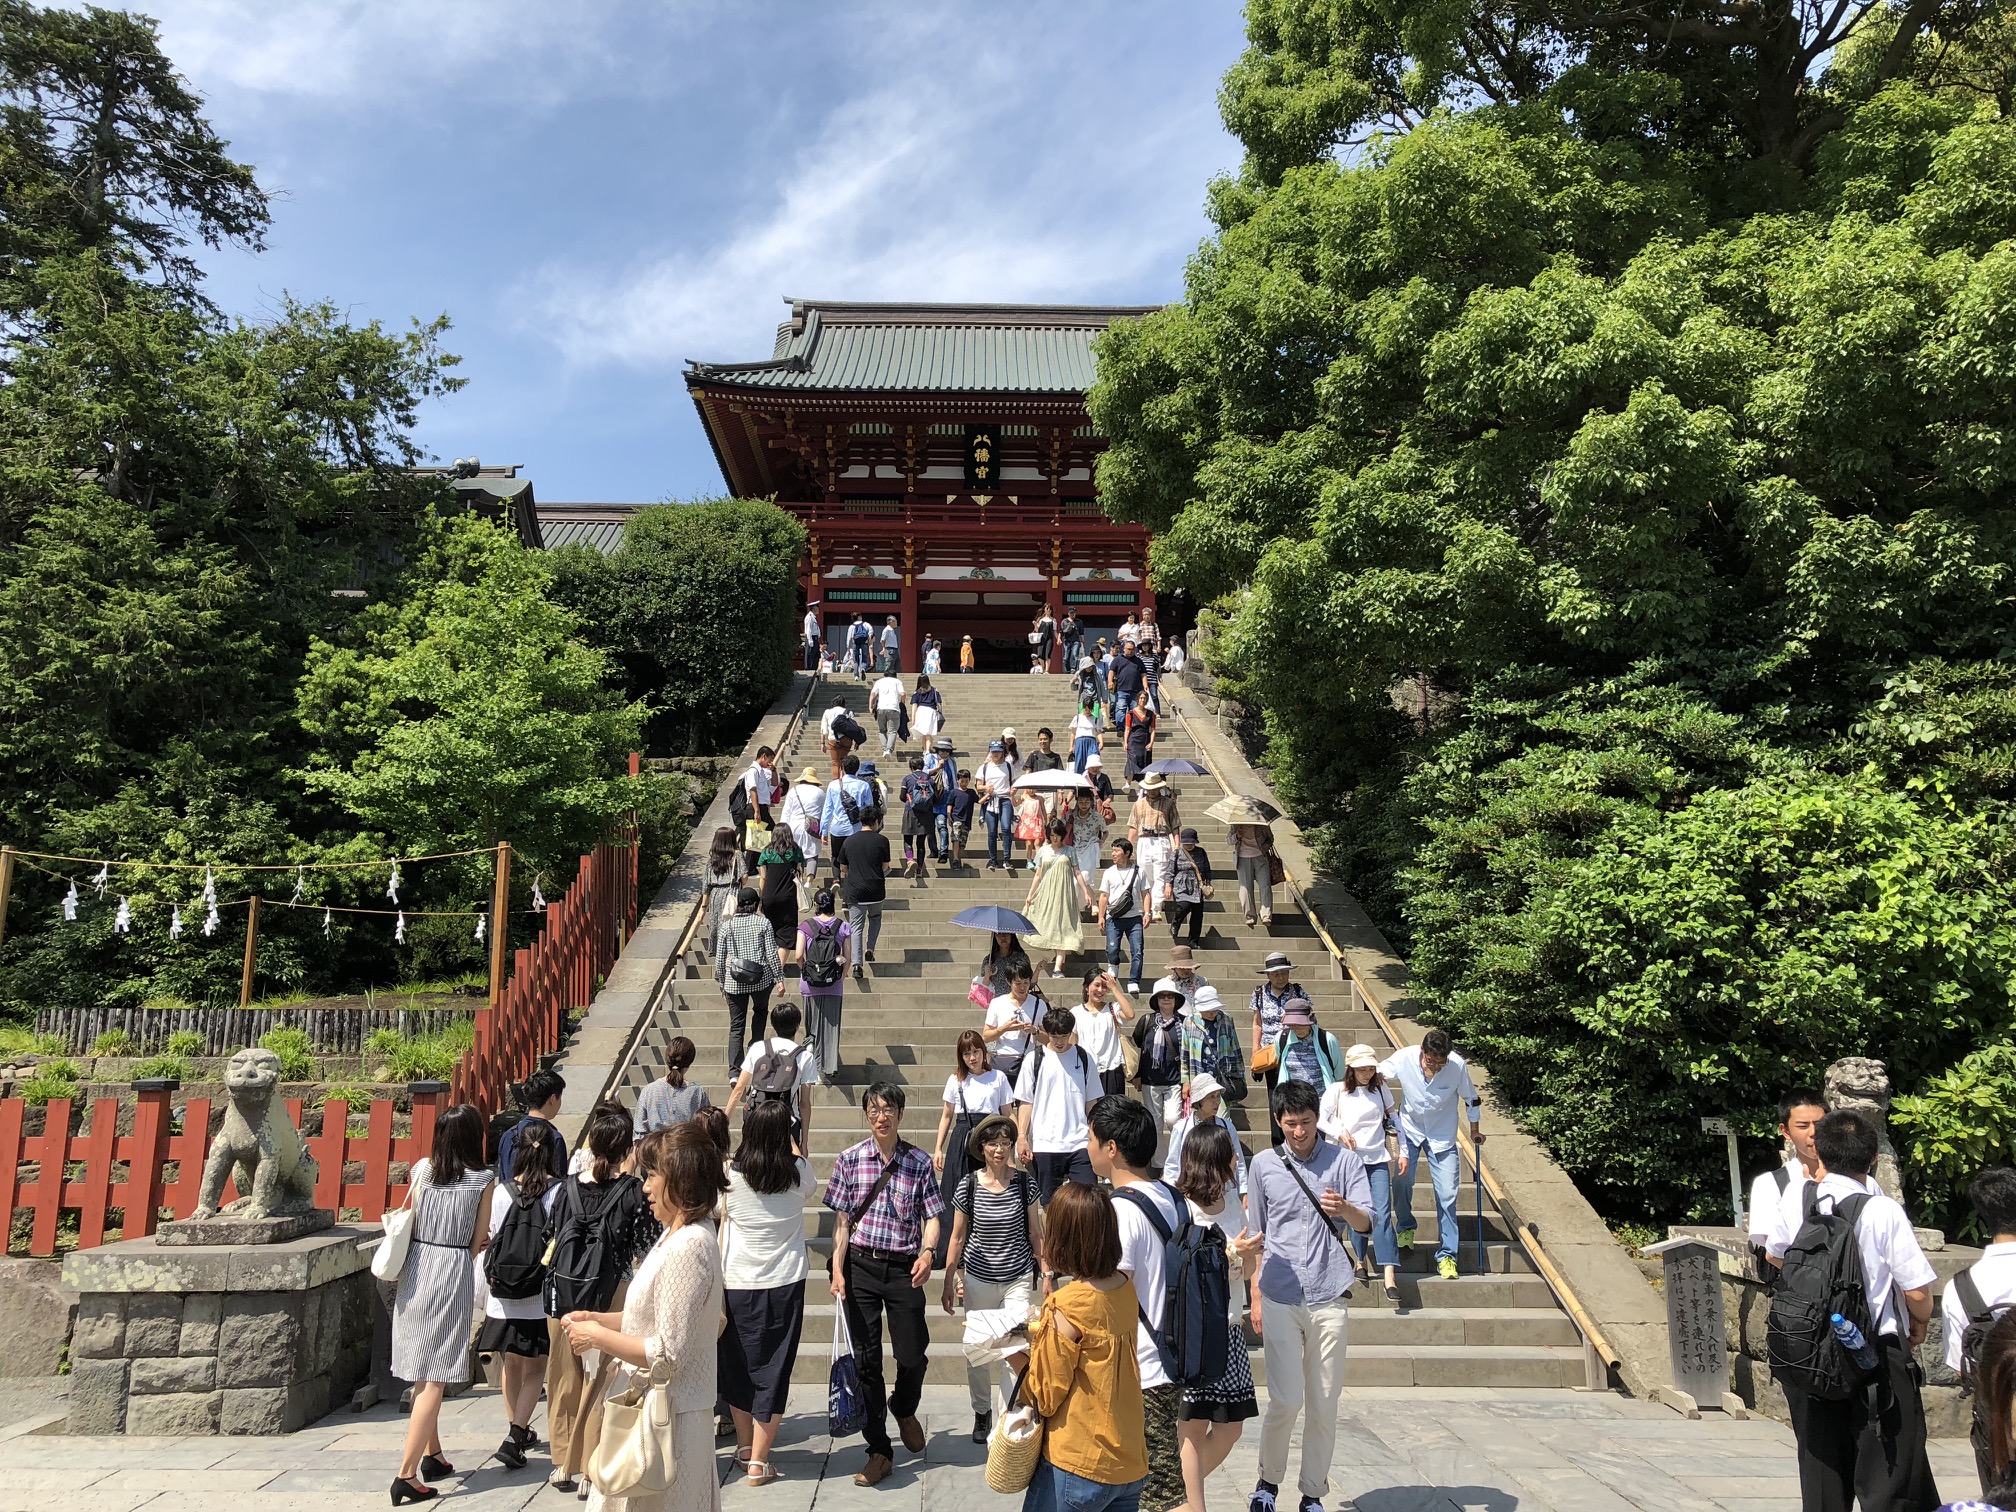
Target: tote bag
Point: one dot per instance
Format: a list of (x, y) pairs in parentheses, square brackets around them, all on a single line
[(1015, 1445), (846, 1403), (390, 1257), (634, 1457)]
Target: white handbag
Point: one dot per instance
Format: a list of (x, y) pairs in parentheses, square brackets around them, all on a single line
[(634, 1457), (390, 1257)]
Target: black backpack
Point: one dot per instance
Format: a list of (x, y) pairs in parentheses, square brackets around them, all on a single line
[(514, 1263), (1979, 1318), (846, 729), (1195, 1338), (821, 966), (1821, 1276), (584, 1269), (738, 803), (776, 1075)]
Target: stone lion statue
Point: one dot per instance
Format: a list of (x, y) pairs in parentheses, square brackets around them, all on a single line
[(275, 1171), (1856, 1084)]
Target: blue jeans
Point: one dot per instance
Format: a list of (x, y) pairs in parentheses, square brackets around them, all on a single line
[(1126, 930), (1383, 1240), (1445, 1170), (1055, 1490), (1082, 747), (1000, 830)]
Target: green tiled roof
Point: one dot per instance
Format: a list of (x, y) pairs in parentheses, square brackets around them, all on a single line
[(883, 347)]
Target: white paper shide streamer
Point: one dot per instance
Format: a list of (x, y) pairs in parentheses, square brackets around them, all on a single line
[(104, 878), (399, 929), (211, 919), (122, 921), (70, 905), (174, 921), (328, 922), (479, 929), (538, 897), (392, 884)]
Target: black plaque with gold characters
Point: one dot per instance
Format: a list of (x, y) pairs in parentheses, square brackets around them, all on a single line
[(983, 456)]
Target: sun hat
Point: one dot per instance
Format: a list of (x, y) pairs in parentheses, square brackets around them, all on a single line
[(867, 770), (808, 775), (1180, 955), (1204, 1085), (1154, 782), (1277, 960), (943, 743), (1298, 1011), (976, 1142), (1186, 836), (1169, 986), (1207, 1000), (1092, 759), (1361, 1055)]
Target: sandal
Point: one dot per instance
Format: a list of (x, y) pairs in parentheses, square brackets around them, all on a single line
[(761, 1476)]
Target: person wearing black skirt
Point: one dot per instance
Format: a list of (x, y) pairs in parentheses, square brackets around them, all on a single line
[(974, 1092), (763, 1270), (514, 1328)]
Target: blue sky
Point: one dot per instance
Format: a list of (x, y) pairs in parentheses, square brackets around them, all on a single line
[(596, 192)]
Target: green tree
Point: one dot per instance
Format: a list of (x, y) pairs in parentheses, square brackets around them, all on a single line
[(697, 605), (469, 711)]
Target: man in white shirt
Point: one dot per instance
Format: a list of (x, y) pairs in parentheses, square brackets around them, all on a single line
[(1054, 1090), (1992, 1282), (784, 1021), (811, 634), (1799, 1114), (1874, 1450), (885, 698), (891, 646), (761, 787), (1433, 1083), (1122, 1146), (1120, 912)]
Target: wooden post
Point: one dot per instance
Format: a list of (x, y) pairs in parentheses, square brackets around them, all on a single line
[(251, 952), (6, 886), (500, 922)]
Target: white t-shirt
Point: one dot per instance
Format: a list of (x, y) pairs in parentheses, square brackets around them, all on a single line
[(980, 1095), (1141, 1258), (1122, 886), (1228, 1220), (1764, 1198), (1995, 1278), (763, 1241), (1891, 1258), (763, 786), (993, 780), (1360, 1113), (1059, 1086), (533, 1306), (1099, 1033), (1084, 724), (1003, 1010), (808, 1063), (886, 694), (830, 718)]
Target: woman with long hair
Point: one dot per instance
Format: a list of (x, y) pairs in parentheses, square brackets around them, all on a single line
[(1046, 636), (1357, 1112), (763, 1268), (1137, 735), (1083, 1377), (1993, 1378), (514, 1328), (1152, 825), (725, 871), (997, 966), (1058, 894), (997, 1245), (1212, 1415), (673, 1310), (974, 1092), (780, 863), (450, 1193), (611, 1203)]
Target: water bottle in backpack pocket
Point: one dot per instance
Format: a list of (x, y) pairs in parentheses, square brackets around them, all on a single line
[(1195, 1337), (1820, 1280)]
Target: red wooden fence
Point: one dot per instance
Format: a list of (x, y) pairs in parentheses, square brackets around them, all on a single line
[(97, 1170)]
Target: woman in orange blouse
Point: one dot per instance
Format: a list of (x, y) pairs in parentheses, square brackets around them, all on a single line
[(1083, 1377)]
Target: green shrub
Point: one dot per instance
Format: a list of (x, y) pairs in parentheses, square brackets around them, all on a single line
[(382, 1043), (1959, 1122), (421, 1057), (357, 1095), (19, 1039), (186, 1042), (56, 1078), (293, 1047), (113, 1042), (162, 1065)]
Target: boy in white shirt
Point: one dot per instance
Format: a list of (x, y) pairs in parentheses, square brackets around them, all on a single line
[(1992, 1280), (1054, 1093), (1799, 1113), (1874, 1450), (784, 1021)]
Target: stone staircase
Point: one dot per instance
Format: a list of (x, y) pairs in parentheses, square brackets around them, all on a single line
[(1500, 1327)]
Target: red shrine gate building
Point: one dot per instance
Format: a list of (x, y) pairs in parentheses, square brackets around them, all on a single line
[(941, 459)]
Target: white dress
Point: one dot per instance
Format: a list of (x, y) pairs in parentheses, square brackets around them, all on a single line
[(675, 1305)]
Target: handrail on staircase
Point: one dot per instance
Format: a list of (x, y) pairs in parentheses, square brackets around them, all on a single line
[(1529, 1237)]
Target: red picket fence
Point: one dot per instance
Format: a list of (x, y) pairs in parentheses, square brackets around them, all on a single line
[(585, 932), (97, 1170)]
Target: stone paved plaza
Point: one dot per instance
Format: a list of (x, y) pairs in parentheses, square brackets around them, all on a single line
[(1421, 1450)]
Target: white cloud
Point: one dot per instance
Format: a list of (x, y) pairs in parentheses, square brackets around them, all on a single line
[(999, 174)]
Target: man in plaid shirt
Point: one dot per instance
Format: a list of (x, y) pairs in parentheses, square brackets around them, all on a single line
[(886, 1193)]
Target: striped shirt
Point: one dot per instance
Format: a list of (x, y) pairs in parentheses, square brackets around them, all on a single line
[(997, 1233)]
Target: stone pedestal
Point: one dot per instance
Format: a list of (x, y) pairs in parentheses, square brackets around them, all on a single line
[(233, 1339), (223, 1230)]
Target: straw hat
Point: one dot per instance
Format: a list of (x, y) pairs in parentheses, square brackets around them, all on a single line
[(976, 1142)]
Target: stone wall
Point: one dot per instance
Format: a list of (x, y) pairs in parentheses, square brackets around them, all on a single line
[(231, 1340)]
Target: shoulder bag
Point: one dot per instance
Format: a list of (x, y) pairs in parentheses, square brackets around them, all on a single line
[(1015, 1445), (389, 1259), (1288, 1164), (634, 1456)]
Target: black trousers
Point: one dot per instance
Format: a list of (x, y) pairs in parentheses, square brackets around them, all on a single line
[(876, 1287), (1052, 1171), (1871, 1446), (748, 1013), (1180, 913)]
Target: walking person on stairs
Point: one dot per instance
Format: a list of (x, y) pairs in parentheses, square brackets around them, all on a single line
[(886, 1194), (1434, 1082), (996, 1248), (824, 941), (1359, 1113), (1300, 1197), (865, 886), (885, 702), (747, 967), (763, 1270), (974, 1093), (779, 1069), (1058, 894)]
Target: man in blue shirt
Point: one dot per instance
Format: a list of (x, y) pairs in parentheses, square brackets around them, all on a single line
[(835, 824), (1126, 679), (1300, 1197), (1432, 1082)]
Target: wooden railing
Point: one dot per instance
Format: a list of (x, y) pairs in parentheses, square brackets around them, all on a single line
[(97, 1171)]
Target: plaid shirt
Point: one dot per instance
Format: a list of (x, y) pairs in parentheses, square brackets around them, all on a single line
[(895, 1221)]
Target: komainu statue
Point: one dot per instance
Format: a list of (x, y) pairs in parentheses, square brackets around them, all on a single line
[(260, 1143), (1856, 1084)]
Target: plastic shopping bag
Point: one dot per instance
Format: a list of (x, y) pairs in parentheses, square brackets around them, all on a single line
[(846, 1403)]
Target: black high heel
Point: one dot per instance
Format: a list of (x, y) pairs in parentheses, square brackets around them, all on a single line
[(404, 1491), (433, 1467)]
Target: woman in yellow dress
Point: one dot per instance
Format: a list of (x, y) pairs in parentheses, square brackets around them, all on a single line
[(1057, 890)]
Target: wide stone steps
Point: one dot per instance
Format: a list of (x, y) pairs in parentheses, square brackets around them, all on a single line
[(1500, 1327)]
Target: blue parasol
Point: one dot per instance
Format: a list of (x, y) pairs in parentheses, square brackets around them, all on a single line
[(995, 919)]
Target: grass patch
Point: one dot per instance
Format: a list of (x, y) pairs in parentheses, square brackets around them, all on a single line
[(16, 1039), (186, 1042), (162, 1065), (419, 1057), (297, 1063), (56, 1078), (113, 1042)]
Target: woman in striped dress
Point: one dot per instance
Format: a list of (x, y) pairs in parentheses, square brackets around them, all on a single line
[(997, 1247)]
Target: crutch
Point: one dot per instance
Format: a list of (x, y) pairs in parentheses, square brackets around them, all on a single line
[(1477, 1165)]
